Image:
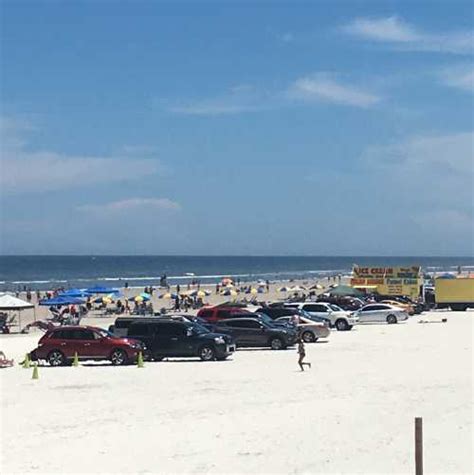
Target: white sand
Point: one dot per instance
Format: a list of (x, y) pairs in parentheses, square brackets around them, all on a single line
[(256, 413)]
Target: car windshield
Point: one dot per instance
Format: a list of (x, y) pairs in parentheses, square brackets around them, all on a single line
[(104, 333), (266, 319), (335, 308), (198, 329)]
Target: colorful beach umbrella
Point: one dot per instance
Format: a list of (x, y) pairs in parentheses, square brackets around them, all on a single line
[(167, 295), (232, 292)]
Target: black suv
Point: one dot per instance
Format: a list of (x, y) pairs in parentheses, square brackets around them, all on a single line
[(171, 338), (256, 332)]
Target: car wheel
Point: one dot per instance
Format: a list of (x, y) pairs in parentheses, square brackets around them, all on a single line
[(206, 353), (56, 358), (391, 319), (118, 357), (308, 337), (276, 344), (341, 325)]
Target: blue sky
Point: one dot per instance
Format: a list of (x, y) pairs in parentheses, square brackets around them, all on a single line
[(324, 128)]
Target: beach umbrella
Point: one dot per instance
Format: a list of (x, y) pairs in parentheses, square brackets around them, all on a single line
[(199, 293), (101, 290), (232, 292), (296, 288), (253, 291), (446, 276), (61, 300), (167, 295), (346, 290), (74, 293), (316, 287)]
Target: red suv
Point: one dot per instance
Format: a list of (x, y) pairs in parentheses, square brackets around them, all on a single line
[(58, 346), (219, 312)]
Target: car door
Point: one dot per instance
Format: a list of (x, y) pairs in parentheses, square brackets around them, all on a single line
[(85, 343), (316, 309), (253, 332), (369, 314), (183, 339), (239, 330), (169, 339), (143, 332), (61, 340), (383, 311)]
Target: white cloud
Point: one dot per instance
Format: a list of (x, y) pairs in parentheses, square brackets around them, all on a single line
[(460, 77), (211, 107), (132, 204), (397, 32), (23, 170), (238, 99), (382, 29), (440, 154), (310, 89), (431, 180), (322, 87)]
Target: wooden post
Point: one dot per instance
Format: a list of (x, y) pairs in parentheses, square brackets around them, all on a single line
[(418, 446)]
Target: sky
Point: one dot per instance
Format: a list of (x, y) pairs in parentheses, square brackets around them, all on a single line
[(237, 128)]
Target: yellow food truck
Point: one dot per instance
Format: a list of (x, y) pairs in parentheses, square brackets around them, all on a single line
[(456, 293)]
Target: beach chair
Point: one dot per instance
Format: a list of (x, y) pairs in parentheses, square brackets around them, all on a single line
[(4, 362), (6, 323)]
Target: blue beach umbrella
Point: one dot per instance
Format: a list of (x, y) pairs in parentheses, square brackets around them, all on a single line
[(73, 293), (61, 300), (101, 290)]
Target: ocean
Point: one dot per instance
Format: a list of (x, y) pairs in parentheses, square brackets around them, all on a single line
[(48, 272)]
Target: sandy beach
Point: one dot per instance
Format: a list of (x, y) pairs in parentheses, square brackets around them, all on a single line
[(353, 412)]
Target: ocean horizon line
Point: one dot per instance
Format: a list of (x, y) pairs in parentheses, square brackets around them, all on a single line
[(390, 256)]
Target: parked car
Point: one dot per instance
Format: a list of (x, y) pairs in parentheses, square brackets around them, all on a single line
[(276, 312), (309, 330), (418, 307), (253, 331), (404, 306), (219, 312), (168, 337), (59, 346), (122, 324), (339, 318), (377, 312), (261, 316), (345, 302)]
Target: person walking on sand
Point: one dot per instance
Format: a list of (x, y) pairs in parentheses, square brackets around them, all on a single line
[(302, 354)]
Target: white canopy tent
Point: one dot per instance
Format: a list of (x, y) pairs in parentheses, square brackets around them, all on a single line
[(9, 303)]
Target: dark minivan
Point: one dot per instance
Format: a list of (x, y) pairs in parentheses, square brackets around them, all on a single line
[(171, 338), (256, 332)]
